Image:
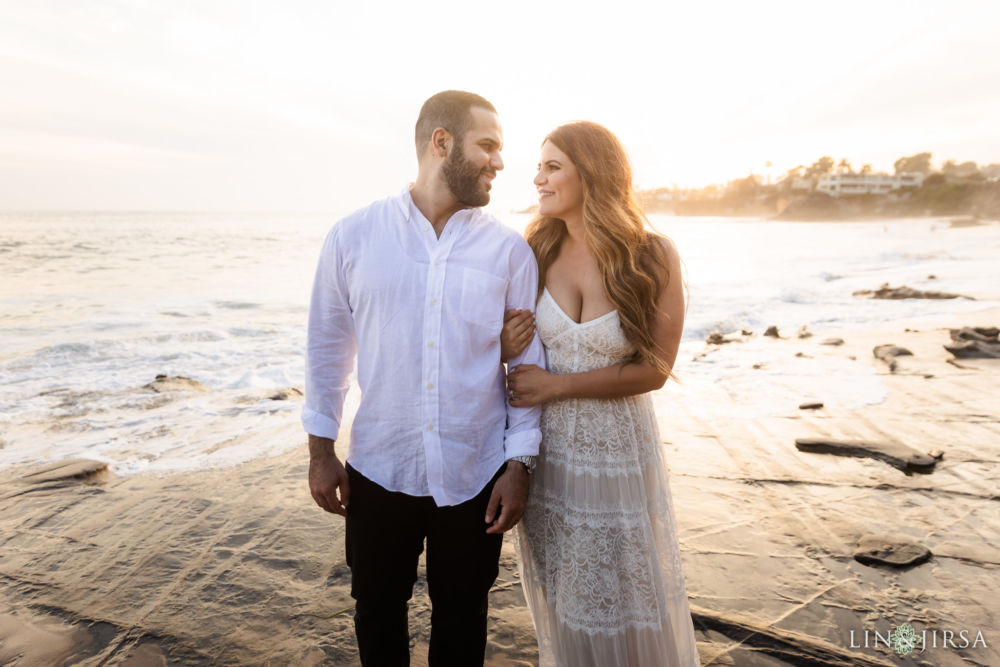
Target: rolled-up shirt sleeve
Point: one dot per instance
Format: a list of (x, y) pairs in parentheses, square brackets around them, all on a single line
[(331, 343), (523, 434)]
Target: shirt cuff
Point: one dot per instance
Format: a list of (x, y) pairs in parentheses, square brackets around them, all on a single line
[(318, 424), (522, 443)]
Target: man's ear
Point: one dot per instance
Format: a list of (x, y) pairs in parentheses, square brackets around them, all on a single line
[(441, 141)]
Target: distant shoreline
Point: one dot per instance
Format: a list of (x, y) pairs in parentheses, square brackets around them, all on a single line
[(936, 198)]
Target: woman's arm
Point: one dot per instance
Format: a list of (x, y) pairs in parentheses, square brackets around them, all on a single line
[(532, 385)]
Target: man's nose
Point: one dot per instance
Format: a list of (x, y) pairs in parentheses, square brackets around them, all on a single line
[(496, 161)]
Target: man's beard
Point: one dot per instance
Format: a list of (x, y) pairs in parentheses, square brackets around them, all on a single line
[(462, 177)]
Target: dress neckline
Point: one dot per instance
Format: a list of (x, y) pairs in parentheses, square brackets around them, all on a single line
[(545, 291)]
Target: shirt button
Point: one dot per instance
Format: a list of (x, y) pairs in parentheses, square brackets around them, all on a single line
[(434, 302), (430, 385), (430, 427), (437, 262), (430, 344)]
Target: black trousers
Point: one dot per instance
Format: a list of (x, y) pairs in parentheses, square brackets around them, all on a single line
[(385, 537)]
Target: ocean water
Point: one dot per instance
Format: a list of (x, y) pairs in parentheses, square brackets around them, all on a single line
[(95, 305)]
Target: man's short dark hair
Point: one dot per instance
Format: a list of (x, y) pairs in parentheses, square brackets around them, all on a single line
[(449, 109)]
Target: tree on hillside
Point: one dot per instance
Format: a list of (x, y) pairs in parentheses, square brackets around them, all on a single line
[(866, 169), (920, 162), (786, 181), (824, 165), (743, 188), (965, 170), (844, 167)]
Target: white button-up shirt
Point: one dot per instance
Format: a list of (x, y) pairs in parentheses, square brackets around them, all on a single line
[(423, 315)]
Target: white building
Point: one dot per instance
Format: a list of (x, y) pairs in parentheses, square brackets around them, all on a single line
[(867, 184)]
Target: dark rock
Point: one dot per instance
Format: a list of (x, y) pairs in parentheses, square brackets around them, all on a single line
[(832, 341), (53, 391), (164, 383), (888, 354), (802, 355), (931, 277), (716, 338), (904, 292), (890, 350), (993, 332), (982, 334), (975, 342), (898, 456), (785, 646), (891, 551), (285, 394), (804, 332), (746, 332), (936, 454), (65, 470), (759, 365), (772, 331), (974, 349), (810, 406)]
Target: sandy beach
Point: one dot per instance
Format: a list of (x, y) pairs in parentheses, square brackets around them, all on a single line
[(237, 566)]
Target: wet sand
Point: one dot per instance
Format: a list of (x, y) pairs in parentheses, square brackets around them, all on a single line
[(238, 566), (768, 532)]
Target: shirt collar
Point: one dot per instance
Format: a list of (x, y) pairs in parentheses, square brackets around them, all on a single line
[(405, 202)]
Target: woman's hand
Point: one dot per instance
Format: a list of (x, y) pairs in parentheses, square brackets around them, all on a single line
[(529, 385), (518, 330)]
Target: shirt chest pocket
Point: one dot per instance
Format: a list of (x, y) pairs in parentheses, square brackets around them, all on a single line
[(483, 300)]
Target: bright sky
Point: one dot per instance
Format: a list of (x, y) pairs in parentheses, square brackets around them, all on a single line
[(310, 105)]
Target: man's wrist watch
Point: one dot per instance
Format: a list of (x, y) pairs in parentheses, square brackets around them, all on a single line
[(528, 461)]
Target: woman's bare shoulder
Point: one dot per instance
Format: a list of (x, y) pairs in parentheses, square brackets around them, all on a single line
[(666, 251)]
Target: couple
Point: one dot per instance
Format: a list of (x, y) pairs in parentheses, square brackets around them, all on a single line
[(443, 447)]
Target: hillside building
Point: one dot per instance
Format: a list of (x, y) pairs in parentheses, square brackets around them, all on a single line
[(836, 185)]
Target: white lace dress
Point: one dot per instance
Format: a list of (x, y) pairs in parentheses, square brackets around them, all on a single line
[(597, 545)]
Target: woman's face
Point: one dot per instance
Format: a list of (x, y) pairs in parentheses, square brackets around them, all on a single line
[(560, 188)]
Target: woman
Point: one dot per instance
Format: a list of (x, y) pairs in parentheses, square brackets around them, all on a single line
[(598, 549)]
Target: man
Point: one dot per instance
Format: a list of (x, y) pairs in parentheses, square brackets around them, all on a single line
[(417, 285)]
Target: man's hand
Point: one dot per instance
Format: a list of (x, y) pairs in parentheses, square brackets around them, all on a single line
[(327, 477), (510, 494)]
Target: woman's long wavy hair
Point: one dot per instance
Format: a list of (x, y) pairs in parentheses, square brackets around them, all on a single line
[(616, 231)]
